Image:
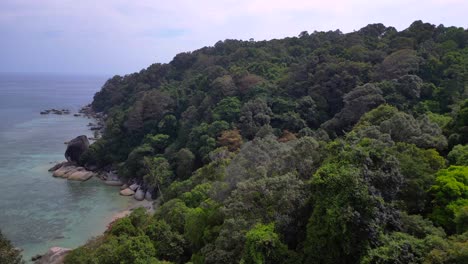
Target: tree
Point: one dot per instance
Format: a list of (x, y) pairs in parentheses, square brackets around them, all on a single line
[(158, 142), (228, 109), (458, 155), (224, 86), (357, 102), (307, 109), (184, 163), (450, 195), (403, 127), (398, 248), (262, 246), (169, 245), (339, 229), (254, 115), (158, 172), (399, 63), (231, 139), (418, 167)]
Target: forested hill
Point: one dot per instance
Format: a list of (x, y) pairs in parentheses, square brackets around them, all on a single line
[(321, 148)]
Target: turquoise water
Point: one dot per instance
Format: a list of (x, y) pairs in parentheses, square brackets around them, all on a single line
[(38, 211)]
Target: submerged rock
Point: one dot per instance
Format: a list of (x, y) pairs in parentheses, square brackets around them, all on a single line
[(76, 147), (139, 195), (113, 182), (127, 192), (59, 165), (55, 255), (36, 257)]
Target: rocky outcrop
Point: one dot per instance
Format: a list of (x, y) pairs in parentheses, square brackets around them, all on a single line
[(73, 173), (82, 175), (55, 255), (76, 147), (62, 171), (139, 195), (60, 165), (55, 111), (134, 187), (127, 192)]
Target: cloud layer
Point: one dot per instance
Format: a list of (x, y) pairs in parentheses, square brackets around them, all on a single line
[(117, 36)]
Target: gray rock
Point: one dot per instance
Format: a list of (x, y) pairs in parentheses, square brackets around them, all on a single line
[(148, 196), (76, 147), (55, 255), (139, 195), (134, 187), (112, 176)]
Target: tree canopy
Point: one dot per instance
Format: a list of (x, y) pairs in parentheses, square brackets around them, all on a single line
[(321, 148)]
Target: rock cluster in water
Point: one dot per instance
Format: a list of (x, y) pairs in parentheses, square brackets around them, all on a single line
[(76, 147), (72, 172), (55, 111), (98, 127)]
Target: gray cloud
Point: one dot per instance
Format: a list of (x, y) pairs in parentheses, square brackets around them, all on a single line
[(118, 36)]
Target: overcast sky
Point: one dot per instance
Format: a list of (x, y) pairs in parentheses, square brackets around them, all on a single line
[(124, 36)]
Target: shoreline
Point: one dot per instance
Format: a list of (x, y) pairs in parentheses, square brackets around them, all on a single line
[(103, 177), (96, 127), (148, 205)]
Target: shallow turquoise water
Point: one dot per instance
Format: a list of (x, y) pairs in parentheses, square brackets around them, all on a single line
[(38, 211)]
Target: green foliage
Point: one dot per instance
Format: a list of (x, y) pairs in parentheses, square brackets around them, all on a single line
[(158, 172), (237, 137), (8, 253), (458, 155), (158, 142), (113, 250), (174, 212), (337, 231), (403, 127), (227, 109), (262, 245), (123, 226), (170, 245), (254, 115), (398, 248), (184, 163), (453, 250), (418, 167), (450, 193)]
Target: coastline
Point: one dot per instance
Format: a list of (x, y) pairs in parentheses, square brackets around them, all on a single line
[(96, 126), (148, 205)]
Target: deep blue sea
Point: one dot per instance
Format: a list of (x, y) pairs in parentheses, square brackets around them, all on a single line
[(38, 211)]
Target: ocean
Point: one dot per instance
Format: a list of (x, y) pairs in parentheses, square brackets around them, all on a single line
[(38, 211)]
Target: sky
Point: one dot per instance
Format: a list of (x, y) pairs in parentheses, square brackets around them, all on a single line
[(124, 36)]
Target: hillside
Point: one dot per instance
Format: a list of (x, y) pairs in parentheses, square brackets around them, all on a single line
[(321, 148)]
